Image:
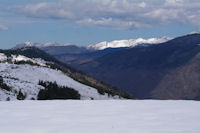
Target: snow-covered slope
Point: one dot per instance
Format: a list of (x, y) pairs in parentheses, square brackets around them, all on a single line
[(107, 116), (127, 43), (25, 78), (3, 57), (18, 58)]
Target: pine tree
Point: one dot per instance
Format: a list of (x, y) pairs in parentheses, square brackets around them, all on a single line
[(20, 95)]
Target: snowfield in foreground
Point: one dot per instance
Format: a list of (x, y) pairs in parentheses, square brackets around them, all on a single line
[(111, 116)]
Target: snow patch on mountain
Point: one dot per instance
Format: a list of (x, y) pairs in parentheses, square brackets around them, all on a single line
[(128, 43), (18, 58), (3, 57)]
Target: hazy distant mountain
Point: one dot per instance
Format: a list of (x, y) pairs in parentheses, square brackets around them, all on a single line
[(39, 45), (98, 46), (75, 55)]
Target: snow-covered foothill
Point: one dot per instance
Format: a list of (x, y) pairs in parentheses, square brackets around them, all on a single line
[(26, 78), (106, 116), (24, 58), (18, 58)]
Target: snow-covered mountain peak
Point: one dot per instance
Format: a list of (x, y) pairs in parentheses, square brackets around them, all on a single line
[(29, 43), (39, 45), (127, 43)]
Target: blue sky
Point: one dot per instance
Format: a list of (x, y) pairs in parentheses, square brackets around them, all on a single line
[(84, 22)]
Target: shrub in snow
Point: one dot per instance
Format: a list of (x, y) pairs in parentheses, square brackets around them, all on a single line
[(26, 62), (3, 85), (20, 95)]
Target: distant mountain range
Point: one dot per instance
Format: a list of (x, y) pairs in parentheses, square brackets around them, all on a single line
[(73, 55), (168, 69), (101, 45)]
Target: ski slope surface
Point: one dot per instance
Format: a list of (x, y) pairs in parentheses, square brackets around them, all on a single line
[(101, 116)]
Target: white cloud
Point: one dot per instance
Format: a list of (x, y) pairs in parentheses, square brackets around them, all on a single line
[(109, 22), (3, 27), (122, 14), (174, 1), (143, 4), (47, 10)]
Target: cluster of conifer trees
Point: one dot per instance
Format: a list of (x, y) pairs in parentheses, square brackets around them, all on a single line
[(53, 91)]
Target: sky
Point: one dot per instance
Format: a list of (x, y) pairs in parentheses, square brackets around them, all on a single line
[(84, 22)]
